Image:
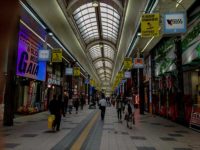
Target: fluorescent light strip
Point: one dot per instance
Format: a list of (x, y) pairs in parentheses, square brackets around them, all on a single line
[(178, 3), (31, 13), (147, 44), (22, 22), (136, 41)]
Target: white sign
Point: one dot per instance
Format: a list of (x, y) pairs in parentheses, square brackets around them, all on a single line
[(44, 55), (127, 74), (175, 23), (69, 71)]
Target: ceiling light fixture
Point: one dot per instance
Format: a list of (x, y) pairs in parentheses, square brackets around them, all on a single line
[(178, 3), (95, 3)]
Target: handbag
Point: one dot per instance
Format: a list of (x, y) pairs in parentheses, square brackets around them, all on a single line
[(51, 119)]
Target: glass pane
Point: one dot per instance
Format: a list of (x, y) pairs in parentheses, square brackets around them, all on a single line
[(98, 64), (86, 21), (110, 22), (95, 52), (108, 64)]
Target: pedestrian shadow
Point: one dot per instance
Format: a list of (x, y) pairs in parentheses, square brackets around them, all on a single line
[(49, 131)]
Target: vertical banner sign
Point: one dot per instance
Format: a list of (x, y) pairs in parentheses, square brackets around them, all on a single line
[(150, 25), (56, 55), (127, 63), (27, 59), (77, 71)]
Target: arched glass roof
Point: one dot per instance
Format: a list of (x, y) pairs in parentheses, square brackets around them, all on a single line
[(95, 52), (108, 52), (85, 18), (110, 22), (99, 24)]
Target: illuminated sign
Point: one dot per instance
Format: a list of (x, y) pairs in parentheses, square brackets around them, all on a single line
[(68, 71), (138, 63), (127, 74), (27, 60), (175, 23), (44, 55)]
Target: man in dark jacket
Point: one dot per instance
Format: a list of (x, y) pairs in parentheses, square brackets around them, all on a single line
[(56, 108)]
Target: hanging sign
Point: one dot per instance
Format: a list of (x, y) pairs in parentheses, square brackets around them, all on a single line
[(138, 63), (127, 63), (44, 55), (127, 74), (175, 23), (56, 55), (150, 25), (92, 82), (77, 71)]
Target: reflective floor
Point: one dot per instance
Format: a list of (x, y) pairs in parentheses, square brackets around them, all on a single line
[(85, 130)]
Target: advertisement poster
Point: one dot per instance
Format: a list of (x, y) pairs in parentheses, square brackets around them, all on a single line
[(27, 60)]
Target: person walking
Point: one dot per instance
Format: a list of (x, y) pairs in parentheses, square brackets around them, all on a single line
[(129, 114), (56, 108), (76, 103), (119, 107), (102, 104), (82, 101), (66, 99), (70, 104)]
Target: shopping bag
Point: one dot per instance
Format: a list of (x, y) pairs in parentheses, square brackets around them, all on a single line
[(51, 119)]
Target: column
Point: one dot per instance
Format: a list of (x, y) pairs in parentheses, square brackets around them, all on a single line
[(9, 27), (180, 88)]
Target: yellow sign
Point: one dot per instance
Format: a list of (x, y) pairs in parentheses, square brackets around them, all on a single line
[(92, 82), (150, 25), (56, 55), (77, 71), (127, 63)]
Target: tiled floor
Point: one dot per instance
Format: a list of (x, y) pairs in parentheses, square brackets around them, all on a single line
[(148, 133)]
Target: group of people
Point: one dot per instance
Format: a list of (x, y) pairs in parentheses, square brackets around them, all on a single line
[(122, 105), (59, 107), (127, 107)]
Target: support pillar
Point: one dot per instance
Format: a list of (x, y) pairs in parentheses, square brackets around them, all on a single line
[(180, 88), (9, 27)]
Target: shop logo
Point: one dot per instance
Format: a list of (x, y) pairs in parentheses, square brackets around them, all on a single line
[(174, 21)]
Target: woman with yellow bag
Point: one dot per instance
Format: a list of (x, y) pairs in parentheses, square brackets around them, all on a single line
[(56, 108)]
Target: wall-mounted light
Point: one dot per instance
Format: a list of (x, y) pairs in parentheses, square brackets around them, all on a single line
[(95, 3), (50, 34)]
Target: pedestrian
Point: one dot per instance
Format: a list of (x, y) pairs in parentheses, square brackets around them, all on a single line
[(119, 107), (82, 101), (56, 108), (129, 113), (70, 104), (66, 99), (102, 105), (76, 103)]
